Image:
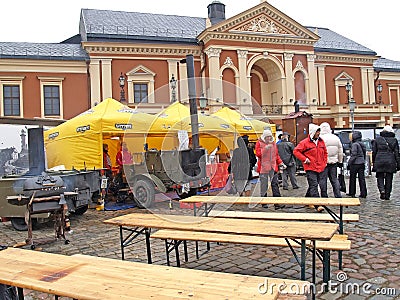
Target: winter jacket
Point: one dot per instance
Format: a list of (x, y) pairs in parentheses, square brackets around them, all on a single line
[(268, 156), (358, 151), (316, 153), (333, 144), (385, 153), (285, 150)]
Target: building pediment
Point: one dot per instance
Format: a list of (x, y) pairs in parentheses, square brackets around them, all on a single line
[(263, 20), (140, 70)]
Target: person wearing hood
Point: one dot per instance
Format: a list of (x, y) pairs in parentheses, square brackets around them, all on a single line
[(356, 165), (335, 159), (313, 154), (242, 163), (269, 163), (386, 160)]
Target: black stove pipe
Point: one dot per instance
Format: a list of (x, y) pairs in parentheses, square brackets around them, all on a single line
[(36, 151)]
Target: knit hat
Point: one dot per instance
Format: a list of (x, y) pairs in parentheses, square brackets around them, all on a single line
[(266, 133), (388, 128)]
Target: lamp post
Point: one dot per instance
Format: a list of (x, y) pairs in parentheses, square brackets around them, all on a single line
[(202, 103), (352, 107), (172, 84), (379, 89), (121, 80), (348, 89)]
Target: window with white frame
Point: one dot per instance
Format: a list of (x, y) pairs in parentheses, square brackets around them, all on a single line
[(140, 85), (11, 96), (51, 95), (140, 92), (11, 100)]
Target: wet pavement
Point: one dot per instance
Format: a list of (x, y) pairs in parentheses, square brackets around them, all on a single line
[(371, 268)]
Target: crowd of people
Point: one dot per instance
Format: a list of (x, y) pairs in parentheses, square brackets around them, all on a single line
[(321, 156)]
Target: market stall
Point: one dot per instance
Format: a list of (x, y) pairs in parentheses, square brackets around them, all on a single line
[(78, 143)]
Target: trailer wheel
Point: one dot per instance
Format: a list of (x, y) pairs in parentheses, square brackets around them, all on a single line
[(19, 224), (81, 210), (192, 192), (143, 193)]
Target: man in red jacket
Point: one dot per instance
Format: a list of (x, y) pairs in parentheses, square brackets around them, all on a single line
[(269, 162), (313, 154)]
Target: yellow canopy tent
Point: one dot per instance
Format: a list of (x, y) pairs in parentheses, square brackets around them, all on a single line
[(163, 133), (243, 124), (78, 142)]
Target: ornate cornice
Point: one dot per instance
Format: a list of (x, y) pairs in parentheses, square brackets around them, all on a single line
[(288, 56), (213, 52), (311, 57), (103, 49), (344, 59), (242, 53), (258, 38)]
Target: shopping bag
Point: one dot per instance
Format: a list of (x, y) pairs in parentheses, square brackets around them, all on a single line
[(230, 187), (342, 183)]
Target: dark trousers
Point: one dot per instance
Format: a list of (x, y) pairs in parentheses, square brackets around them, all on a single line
[(384, 181), (357, 170), (291, 172), (265, 178), (315, 179), (331, 173)]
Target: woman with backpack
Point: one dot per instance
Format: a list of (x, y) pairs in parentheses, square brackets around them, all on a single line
[(386, 160), (356, 165)]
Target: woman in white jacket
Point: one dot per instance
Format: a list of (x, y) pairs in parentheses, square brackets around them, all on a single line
[(335, 159)]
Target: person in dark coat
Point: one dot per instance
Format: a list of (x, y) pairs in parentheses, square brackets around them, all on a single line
[(242, 164), (285, 149), (386, 160), (356, 165)]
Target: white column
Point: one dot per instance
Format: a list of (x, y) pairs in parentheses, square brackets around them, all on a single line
[(94, 69), (216, 91), (312, 75), (364, 85), (371, 84), (244, 80), (106, 78), (322, 84), (183, 87), (290, 90)]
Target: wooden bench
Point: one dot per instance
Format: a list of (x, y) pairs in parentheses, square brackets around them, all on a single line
[(338, 242), (280, 216), (86, 277)]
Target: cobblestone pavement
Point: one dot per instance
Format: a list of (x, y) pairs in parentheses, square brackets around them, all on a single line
[(372, 264)]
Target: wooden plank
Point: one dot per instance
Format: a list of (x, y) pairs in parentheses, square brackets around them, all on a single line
[(244, 239), (295, 229), (101, 261), (280, 216), (85, 277), (273, 200)]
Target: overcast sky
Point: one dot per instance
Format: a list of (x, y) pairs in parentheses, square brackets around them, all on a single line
[(373, 24)]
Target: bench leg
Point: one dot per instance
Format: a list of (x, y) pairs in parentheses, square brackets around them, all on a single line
[(303, 260), (314, 252), (197, 250), (121, 238), (167, 252), (326, 262), (20, 293), (176, 246), (185, 251), (148, 247)]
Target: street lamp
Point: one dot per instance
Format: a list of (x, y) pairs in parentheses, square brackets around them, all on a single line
[(348, 89), (172, 84), (352, 107), (379, 89), (202, 103), (121, 80)]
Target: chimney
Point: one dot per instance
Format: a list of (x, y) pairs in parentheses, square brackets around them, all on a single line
[(36, 151), (216, 12)]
